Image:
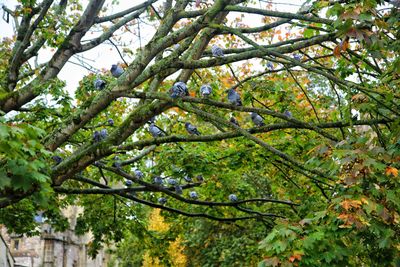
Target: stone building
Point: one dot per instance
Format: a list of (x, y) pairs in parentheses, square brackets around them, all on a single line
[(6, 259), (53, 249)]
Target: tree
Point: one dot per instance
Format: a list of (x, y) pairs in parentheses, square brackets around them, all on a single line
[(315, 165)]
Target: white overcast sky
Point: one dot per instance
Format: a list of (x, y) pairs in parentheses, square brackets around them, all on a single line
[(105, 55)]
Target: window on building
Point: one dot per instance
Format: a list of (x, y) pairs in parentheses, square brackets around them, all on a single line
[(15, 244)]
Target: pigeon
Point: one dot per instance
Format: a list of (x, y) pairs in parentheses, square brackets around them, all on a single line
[(287, 113), (158, 180), (193, 194), (200, 178), (205, 90), (257, 119), (172, 181), (128, 183), (270, 65), (191, 129), (155, 131), (99, 84), (234, 97), (178, 190), (98, 164), (177, 46), (234, 121), (57, 159), (217, 51), (297, 57), (110, 122), (187, 179), (179, 89), (103, 134), (162, 200), (138, 174), (96, 136), (116, 70), (233, 198), (117, 162)]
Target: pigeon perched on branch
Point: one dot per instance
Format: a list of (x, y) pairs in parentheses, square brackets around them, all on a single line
[(155, 131), (191, 129), (288, 114), (116, 70), (217, 51), (158, 180), (179, 89), (233, 198), (138, 174), (187, 179), (205, 90), (172, 181), (234, 121), (234, 98), (193, 194), (257, 119), (162, 200), (99, 84), (178, 190)]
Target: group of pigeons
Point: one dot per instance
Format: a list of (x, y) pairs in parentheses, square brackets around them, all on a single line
[(158, 180), (179, 89)]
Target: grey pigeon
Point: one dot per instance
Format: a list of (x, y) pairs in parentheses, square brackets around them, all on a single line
[(117, 163), (233, 198), (116, 70), (234, 98), (257, 119), (128, 183), (99, 84), (138, 174), (96, 136), (191, 129), (205, 90), (57, 159), (193, 194), (162, 200), (158, 180), (217, 51), (110, 122), (270, 65), (172, 181), (177, 46), (187, 179), (178, 190), (234, 121), (288, 114), (103, 134), (200, 178), (297, 57), (155, 131), (98, 164), (179, 89)]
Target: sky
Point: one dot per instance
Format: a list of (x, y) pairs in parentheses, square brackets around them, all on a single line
[(105, 55)]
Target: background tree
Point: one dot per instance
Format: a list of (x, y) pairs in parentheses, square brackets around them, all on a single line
[(316, 174)]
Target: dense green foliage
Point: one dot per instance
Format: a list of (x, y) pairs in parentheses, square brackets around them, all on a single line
[(319, 187)]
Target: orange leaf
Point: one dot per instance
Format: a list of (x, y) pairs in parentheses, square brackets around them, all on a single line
[(344, 45), (391, 171), (336, 51)]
